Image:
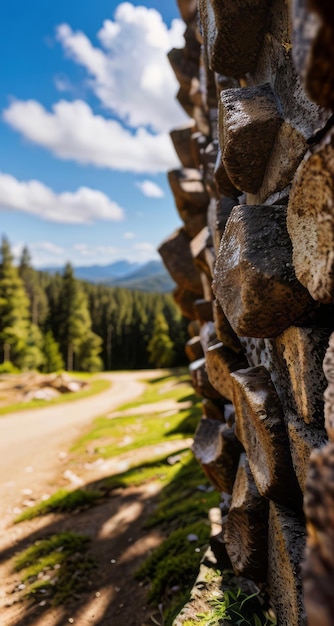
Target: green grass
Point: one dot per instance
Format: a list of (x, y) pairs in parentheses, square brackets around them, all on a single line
[(164, 388), (95, 387), (111, 437), (62, 501), (181, 507), (55, 568)]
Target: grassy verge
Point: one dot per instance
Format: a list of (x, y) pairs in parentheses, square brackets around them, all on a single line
[(181, 506), (56, 567), (96, 386)]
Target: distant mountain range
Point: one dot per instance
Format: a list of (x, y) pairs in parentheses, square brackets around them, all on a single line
[(150, 276)]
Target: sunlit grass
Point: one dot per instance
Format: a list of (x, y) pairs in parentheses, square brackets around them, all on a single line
[(96, 386), (111, 437), (60, 502), (55, 567)]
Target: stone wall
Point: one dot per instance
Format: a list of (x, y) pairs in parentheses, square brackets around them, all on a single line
[(254, 267)]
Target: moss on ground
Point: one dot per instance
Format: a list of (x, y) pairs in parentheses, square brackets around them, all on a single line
[(55, 567)]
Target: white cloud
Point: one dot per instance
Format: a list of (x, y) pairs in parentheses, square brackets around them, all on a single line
[(80, 207), (130, 73), (145, 251), (150, 189), (129, 235), (43, 253), (86, 250), (72, 131)]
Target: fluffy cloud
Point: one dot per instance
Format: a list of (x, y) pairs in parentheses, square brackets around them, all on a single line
[(86, 250), (72, 131), (80, 207), (150, 189), (130, 72), (43, 253)]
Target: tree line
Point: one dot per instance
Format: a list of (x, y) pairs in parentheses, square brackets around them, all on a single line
[(51, 322)]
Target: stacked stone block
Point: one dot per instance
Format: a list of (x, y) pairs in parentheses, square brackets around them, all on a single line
[(254, 267)]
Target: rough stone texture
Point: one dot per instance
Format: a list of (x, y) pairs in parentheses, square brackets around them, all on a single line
[(302, 350), (233, 33), (303, 439), (200, 380), (191, 198), (286, 548), (264, 308), (313, 51), (310, 220), (181, 138), (218, 450), (203, 309), (220, 362), (185, 300), (329, 392), (224, 183), (248, 123), (246, 527), (176, 255), (208, 335), (224, 331), (213, 409), (194, 349), (260, 428), (318, 567), (255, 282)]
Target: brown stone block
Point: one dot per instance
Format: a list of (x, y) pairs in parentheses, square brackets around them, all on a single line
[(223, 181), (246, 527), (220, 362), (198, 247), (193, 348), (318, 567), (286, 547), (248, 124), (188, 9), (207, 287), (181, 138), (302, 350), (193, 328), (217, 450), (203, 310), (224, 330), (208, 335), (233, 31), (176, 255), (255, 282), (200, 381), (303, 439), (287, 152), (199, 143), (313, 48), (185, 300), (329, 392), (214, 409), (310, 220), (184, 68), (261, 430), (188, 188)]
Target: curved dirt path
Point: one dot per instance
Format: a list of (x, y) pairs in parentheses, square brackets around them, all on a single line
[(32, 442)]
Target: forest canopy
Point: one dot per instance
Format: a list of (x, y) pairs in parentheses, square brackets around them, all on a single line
[(51, 322)]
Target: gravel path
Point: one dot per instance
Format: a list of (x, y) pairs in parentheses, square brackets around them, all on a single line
[(32, 442)]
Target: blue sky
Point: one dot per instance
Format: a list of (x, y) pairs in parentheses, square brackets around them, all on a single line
[(87, 101)]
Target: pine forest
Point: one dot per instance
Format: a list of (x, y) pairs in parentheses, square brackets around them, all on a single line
[(50, 322)]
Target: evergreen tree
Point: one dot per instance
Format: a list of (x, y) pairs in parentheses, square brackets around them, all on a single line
[(14, 310), (74, 322), (36, 294), (53, 361), (160, 346)]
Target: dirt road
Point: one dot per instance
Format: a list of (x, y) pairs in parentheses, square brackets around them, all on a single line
[(32, 442)]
